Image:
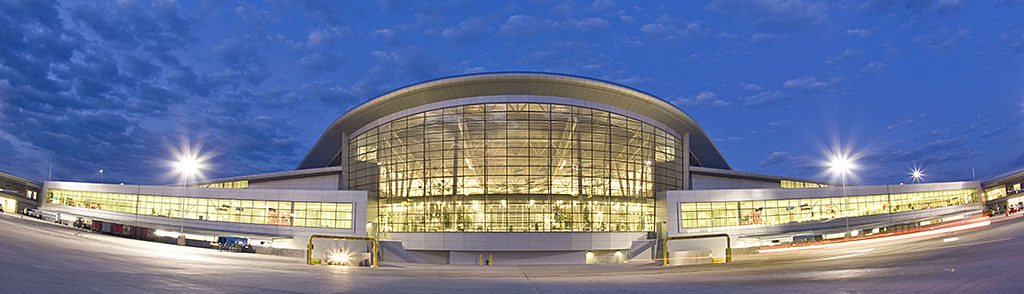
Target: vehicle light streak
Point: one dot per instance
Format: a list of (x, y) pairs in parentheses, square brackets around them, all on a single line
[(842, 256), (663, 259), (973, 223)]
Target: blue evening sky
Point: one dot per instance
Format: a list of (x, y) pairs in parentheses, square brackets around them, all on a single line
[(775, 83)]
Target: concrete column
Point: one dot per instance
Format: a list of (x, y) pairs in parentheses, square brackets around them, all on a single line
[(343, 179), (686, 162)]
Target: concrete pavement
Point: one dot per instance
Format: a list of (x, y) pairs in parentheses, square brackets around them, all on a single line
[(37, 257)]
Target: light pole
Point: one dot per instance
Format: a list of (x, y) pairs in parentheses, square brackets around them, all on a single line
[(971, 153), (101, 176), (842, 165), (188, 166), (49, 174)]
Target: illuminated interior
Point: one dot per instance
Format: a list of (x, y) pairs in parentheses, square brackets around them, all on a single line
[(282, 213), (786, 184), (776, 212), (515, 167), (9, 204), (995, 192), (229, 185)]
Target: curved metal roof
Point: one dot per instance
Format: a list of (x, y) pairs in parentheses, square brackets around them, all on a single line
[(514, 83)]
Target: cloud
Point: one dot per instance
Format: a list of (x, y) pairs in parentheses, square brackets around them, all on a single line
[(633, 80), (899, 124), (778, 123), (670, 29), (318, 37), (858, 32), (752, 87), (419, 63), (794, 89), (777, 14), (846, 55), (520, 25), (392, 5), (474, 69), (727, 139), (472, 29), (320, 62), (776, 158), (396, 67), (1000, 128), (134, 26), (944, 39), (241, 59), (1017, 43), (101, 84), (764, 98), (627, 18), (383, 33), (873, 68), (602, 5), (725, 36), (528, 26), (327, 92), (810, 83), (941, 132), (918, 6), (941, 150), (703, 98), (761, 38), (590, 23), (626, 41)]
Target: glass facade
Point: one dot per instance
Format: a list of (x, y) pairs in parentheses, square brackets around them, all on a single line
[(229, 185), (786, 184), (995, 193), (776, 212), (9, 205), (509, 167), (282, 213)]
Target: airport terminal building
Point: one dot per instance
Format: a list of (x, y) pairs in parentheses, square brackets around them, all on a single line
[(520, 167)]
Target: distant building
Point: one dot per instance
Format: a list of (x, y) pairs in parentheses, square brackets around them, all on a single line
[(18, 193), (1003, 192), (521, 168)]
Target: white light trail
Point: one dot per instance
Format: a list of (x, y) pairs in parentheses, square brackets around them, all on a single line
[(972, 225)]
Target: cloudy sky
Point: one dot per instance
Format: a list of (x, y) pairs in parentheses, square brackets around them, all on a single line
[(120, 85)]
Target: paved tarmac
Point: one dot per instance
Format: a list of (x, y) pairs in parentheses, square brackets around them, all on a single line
[(38, 257)]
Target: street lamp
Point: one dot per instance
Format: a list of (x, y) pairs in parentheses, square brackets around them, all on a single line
[(917, 175), (101, 176), (189, 166), (841, 165)]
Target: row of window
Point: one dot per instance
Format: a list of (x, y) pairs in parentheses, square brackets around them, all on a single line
[(282, 213), (786, 184), (230, 185), (516, 214), (775, 212)]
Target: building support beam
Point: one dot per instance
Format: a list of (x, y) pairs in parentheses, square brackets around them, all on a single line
[(686, 162)]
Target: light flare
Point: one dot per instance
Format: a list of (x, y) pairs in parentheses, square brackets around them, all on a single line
[(917, 175)]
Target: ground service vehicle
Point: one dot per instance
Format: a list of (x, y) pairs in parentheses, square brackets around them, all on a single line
[(240, 244)]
